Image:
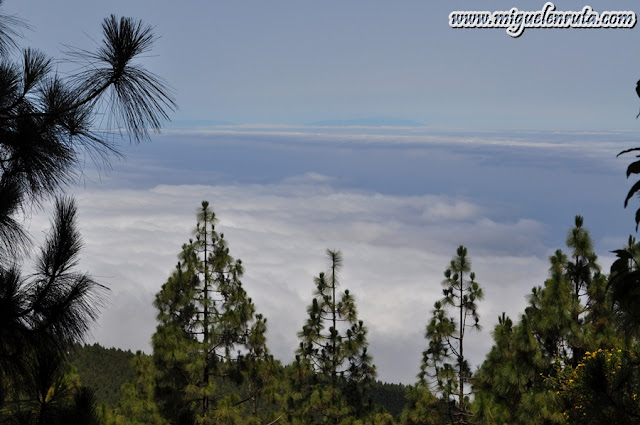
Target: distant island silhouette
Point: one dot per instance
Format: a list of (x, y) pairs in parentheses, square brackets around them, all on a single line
[(369, 122)]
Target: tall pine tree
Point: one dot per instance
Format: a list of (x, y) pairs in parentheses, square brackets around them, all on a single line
[(209, 339), (332, 369), (567, 317), (443, 362), (49, 122)]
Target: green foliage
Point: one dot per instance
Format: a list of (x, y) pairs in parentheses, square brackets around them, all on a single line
[(332, 371), (511, 386), (602, 388), (49, 122), (125, 385), (443, 364), (41, 318), (49, 393), (138, 404), (390, 397), (104, 370), (634, 168), (423, 407), (624, 283), (54, 306), (568, 316), (208, 332)]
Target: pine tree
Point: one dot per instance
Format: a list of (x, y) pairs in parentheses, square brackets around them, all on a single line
[(567, 317), (48, 122), (423, 408), (570, 313), (446, 334), (138, 405), (208, 334), (41, 317), (511, 376), (332, 370), (624, 283)]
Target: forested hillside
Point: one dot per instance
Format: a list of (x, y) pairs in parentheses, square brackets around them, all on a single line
[(391, 397), (105, 370)]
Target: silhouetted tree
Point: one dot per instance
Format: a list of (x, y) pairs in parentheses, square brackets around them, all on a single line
[(48, 121), (41, 316), (633, 168), (624, 284), (624, 278)]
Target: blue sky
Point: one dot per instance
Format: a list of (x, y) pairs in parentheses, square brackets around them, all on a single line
[(516, 137), (289, 62)]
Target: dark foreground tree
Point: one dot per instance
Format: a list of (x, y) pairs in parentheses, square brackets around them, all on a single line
[(41, 316), (625, 271), (624, 284), (633, 168), (49, 122), (209, 337), (332, 370)]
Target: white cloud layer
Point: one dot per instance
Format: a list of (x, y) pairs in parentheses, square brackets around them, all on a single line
[(397, 211), (395, 248)]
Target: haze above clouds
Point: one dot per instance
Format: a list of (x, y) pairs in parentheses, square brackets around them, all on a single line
[(292, 62)]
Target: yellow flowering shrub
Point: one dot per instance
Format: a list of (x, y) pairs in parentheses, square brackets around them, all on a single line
[(602, 388)]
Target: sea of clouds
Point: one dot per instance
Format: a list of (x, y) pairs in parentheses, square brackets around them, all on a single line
[(396, 202)]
